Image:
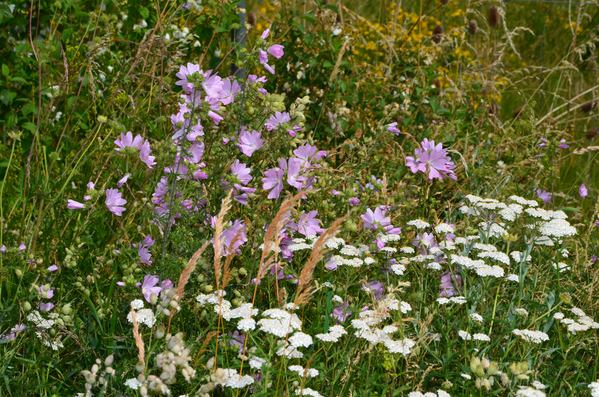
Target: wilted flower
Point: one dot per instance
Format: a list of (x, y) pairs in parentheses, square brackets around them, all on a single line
[(393, 128)]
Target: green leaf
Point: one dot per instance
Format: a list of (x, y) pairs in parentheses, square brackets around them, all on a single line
[(29, 126), (144, 12), (5, 70)]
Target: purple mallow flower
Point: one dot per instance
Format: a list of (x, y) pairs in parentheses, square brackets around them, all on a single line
[(242, 176), (183, 76), (309, 153), (127, 140), (449, 283), (544, 195), (276, 120), (563, 144), (74, 205), (150, 287), (583, 191), (233, 238), (263, 59), (354, 201), (143, 250), (273, 180), (45, 292), (45, 307), (13, 333), (115, 201), (341, 312), (378, 219), (123, 180), (377, 288), (307, 225), (276, 50), (249, 142), (237, 339), (393, 128), (433, 160)]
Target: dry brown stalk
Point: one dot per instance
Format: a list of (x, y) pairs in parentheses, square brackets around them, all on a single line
[(209, 336), (189, 268), (227, 266), (302, 293), (218, 231), (139, 343), (272, 236)]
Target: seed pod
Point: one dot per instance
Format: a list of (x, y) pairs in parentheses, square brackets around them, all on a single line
[(251, 18), (493, 109), (437, 34), (472, 26), (587, 107), (518, 112), (493, 16)]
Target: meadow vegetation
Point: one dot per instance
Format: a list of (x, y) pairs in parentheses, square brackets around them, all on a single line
[(299, 198)]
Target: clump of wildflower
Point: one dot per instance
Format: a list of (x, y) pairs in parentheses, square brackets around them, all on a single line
[(128, 142)]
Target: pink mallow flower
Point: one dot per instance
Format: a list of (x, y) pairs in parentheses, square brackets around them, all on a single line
[(233, 238), (276, 50), (544, 195), (249, 142), (307, 225), (150, 288), (276, 120), (378, 219), (393, 128), (583, 191), (115, 201), (127, 140), (433, 160), (449, 283), (74, 205)]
